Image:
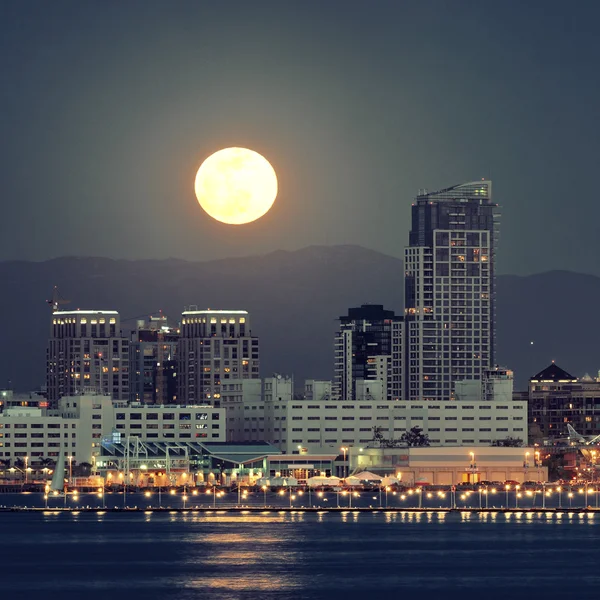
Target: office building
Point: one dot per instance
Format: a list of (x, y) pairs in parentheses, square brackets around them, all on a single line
[(153, 362), (450, 289), (215, 346), (557, 399), (86, 351), (368, 346), (80, 424)]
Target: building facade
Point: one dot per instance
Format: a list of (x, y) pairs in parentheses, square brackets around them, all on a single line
[(450, 289), (323, 427), (215, 346), (368, 346), (467, 464), (153, 362), (558, 399), (86, 351), (80, 424)]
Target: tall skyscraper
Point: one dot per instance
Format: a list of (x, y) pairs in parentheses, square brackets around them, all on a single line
[(450, 289), (152, 360), (215, 345), (368, 346), (86, 351)]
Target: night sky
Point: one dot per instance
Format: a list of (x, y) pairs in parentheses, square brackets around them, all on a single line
[(108, 108)]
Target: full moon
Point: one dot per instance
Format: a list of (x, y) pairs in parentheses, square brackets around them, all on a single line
[(236, 185)]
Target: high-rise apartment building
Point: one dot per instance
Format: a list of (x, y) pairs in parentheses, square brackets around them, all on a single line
[(152, 360), (215, 346), (368, 346), (450, 289), (86, 351)]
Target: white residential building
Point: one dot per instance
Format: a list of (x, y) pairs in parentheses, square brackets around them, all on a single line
[(215, 346), (87, 351)]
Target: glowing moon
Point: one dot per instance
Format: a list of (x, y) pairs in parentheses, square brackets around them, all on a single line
[(236, 185)]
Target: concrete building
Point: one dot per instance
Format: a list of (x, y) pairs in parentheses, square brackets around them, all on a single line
[(153, 362), (450, 289), (317, 390), (495, 385), (76, 428), (246, 402), (557, 399), (86, 351), (215, 346), (80, 424), (322, 427), (448, 466), (368, 346), (171, 424)]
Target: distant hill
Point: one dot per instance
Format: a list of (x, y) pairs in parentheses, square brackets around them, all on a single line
[(294, 299)]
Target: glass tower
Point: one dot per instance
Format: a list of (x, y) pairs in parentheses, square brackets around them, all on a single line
[(450, 289)]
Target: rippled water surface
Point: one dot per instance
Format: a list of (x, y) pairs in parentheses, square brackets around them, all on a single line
[(298, 555)]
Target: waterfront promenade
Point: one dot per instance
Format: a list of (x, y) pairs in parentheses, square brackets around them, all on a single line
[(557, 500)]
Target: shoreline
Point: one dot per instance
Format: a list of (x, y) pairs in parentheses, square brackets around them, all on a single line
[(277, 509)]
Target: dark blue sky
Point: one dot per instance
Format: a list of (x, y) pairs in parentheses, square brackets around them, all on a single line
[(108, 108)]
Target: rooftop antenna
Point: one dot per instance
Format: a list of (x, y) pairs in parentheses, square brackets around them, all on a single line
[(56, 301)]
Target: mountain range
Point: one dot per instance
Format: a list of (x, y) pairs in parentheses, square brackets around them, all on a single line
[(294, 300)]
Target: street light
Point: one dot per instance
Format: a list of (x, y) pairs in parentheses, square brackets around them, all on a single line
[(26, 460), (507, 487), (70, 470), (344, 449), (264, 489)]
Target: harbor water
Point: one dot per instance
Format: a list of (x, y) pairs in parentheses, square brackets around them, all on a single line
[(274, 554)]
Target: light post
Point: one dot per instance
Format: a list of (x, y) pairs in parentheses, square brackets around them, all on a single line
[(70, 470), (537, 463), (344, 450), (387, 489), (543, 495), (26, 461), (264, 489), (570, 495), (480, 491), (507, 487), (559, 490)]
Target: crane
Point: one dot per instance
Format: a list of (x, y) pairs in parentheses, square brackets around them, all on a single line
[(56, 301)]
